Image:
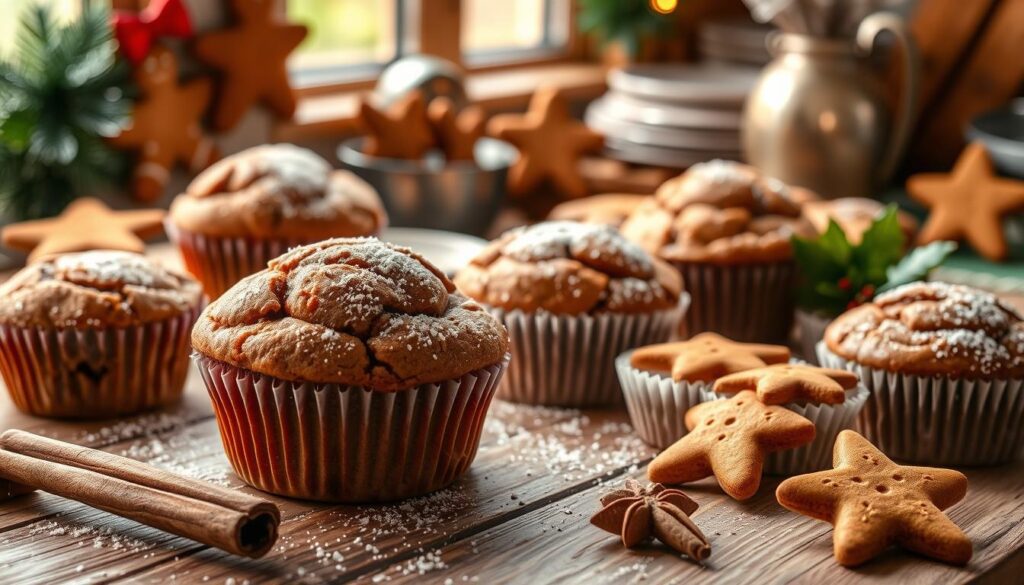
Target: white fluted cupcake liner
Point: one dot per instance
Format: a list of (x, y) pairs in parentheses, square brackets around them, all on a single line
[(338, 443), (96, 373), (810, 329), (745, 302), (657, 404), (829, 420), (218, 263), (569, 360), (938, 420)]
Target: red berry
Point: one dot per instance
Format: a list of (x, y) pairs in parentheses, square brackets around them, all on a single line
[(852, 305), (844, 283), (868, 291)]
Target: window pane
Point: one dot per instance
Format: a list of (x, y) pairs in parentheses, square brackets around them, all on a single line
[(343, 33), (512, 25), (13, 11)]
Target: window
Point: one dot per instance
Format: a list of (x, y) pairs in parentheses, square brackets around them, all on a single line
[(347, 38), (513, 29), (14, 13)]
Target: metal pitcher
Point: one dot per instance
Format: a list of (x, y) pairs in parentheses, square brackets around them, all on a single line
[(818, 115)]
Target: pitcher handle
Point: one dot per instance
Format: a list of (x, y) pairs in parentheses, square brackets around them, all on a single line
[(867, 33)]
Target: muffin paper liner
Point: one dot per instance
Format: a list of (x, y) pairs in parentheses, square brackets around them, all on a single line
[(337, 443), (810, 329), (746, 302), (829, 420), (569, 360), (96, 373), (218, 263), (937, 420), (657, 408), (657, 403)]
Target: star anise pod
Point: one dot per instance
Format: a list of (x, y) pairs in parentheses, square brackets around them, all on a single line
[(637, 513)]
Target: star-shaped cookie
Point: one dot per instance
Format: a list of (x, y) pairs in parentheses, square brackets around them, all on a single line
[(706, 356), (456, 131), (785, 383), (252, 56), (874, 504), (550, 143), (403, 131), (166, 126), (729, 439), (968, 203), (86, 224)]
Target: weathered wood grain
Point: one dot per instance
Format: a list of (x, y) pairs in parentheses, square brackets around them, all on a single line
[(755, 541)]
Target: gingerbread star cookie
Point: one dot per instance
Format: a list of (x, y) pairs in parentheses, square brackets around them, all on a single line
[(403, 131), (729, 439), (968, 204), (786, 383), (86, 224), (874, 504), (550, 143), (252, 56), (166, 125), (456, 131), (706, 356)]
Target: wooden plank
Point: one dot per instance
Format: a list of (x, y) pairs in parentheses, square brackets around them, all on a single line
[(756, 541), (528, 456), (991, 75)]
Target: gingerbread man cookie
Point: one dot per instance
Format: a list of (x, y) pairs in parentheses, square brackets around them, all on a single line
[(706, 356), (729, 439), (165, 127), (874, 504), (86, 224), (786, 383), (403, 131), (456, 132), (252, 56), (968, 204), (550, 145)]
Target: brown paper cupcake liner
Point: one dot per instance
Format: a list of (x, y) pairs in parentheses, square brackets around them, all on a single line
[(656, 403), (936, 420), (746, 302), (218, 263), (337, 443), (96, 373), (569, 360)]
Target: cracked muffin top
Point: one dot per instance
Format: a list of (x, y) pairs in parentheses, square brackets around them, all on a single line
[(720, 212), (95, 290), (353, 311), (278, 191), (566, 267), (933, 329)]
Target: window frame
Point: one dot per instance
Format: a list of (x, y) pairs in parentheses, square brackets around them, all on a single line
[(434, 27)]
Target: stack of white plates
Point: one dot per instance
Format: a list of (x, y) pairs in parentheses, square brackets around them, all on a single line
[(672, 115), (734, 41)]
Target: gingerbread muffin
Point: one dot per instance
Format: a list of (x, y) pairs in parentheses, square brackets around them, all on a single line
[(945, 367), (607, 209), (727, 229), (349, 371), (253, 206), (95, 334), (573, 296)]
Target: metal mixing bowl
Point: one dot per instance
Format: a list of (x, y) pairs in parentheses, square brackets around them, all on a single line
[(1002, 133), (460, 196)]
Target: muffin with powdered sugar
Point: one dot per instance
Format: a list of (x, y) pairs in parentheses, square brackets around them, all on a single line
[(945, 366), (573, 296)]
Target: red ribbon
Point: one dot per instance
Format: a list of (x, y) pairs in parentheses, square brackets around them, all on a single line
[(136, 31)]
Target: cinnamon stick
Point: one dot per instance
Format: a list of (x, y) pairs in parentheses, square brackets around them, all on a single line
[(210, 514)]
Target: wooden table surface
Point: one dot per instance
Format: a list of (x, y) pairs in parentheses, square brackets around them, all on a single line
[(520, 515)]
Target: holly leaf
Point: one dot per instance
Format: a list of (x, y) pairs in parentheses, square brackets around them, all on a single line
[(822, 261), (881, 246), (917, 264)]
